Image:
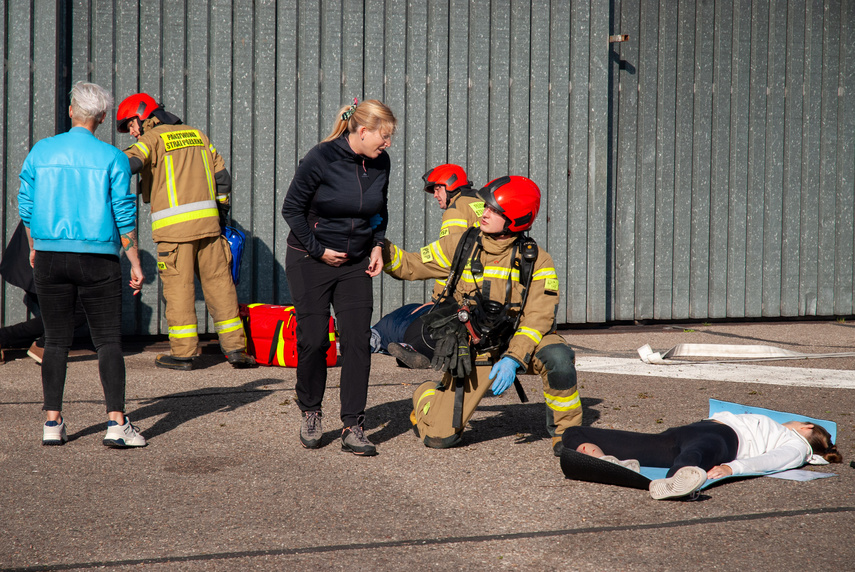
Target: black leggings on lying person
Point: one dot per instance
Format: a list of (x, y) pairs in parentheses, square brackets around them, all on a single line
[(704, 444)]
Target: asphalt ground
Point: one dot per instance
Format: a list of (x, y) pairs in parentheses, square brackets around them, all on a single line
[(225, 485)]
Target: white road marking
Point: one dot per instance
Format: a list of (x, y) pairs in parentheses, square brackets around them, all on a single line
[(738, 373)]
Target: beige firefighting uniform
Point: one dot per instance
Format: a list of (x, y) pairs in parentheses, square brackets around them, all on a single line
[(534, 345), (463, 211), (177, 178)]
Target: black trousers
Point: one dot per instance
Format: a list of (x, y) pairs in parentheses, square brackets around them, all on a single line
[(96, 280), (314, 287), (704, 444)]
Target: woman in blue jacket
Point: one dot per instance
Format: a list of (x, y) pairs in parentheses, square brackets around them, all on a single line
[(336, 208), (79, 213)]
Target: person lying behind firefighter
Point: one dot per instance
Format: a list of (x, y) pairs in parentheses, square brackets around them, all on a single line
[(723, 445), (495, 318)]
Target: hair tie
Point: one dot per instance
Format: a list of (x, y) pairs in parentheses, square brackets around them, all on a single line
[(346, 115)]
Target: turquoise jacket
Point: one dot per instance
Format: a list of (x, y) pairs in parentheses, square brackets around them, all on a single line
[(75, 194)]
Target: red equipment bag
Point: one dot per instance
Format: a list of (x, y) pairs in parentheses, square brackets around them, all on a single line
[(271, 334)]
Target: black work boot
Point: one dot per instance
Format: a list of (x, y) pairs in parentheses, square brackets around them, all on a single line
[(407, 356), (240, 359), (171, 362)]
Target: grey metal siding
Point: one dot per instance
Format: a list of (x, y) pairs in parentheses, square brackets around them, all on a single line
[(704, 169)]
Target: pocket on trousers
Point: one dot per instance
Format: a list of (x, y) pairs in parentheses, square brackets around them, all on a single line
[(167, 259), (227, 250)]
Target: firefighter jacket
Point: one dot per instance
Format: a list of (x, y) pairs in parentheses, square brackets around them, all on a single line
[(538, 316), (179, 166), (463, 211)]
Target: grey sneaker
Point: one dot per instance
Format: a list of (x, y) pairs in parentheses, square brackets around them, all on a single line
[(311, 430), (684, 482), (631, 464), (353, 440)]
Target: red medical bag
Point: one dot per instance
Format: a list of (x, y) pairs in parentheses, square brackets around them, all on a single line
[(271, 334)]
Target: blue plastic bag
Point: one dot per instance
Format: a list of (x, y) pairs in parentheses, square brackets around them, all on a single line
[(236, 240)]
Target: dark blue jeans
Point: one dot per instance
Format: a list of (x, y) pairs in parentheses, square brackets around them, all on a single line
[(96, 279)]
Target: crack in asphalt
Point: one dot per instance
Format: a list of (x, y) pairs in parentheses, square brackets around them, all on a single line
[(436, 541)]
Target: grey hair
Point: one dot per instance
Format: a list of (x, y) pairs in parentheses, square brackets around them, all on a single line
[(89, 101)]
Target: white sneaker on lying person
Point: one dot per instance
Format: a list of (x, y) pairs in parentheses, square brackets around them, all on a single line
[(631, 464), (684, 482)]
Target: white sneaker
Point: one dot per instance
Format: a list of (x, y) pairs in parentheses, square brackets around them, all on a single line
[(631, 464), (684, 482), (123, 436), (54, 434)]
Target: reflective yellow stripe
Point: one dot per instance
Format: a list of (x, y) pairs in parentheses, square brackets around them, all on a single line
[(454, 222), (184, 217), (212, 148), (529, 332), (222, 198), (501, 273), (427, 393), (332, 336), (280, 350), (182, 331), (142, 147), (397, 260), (544, 273), (228, 325), (562, 403), (170, 180), (208, 176), (439, 255)]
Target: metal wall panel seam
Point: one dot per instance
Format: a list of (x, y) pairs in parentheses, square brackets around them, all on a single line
[(699, 276), (573, 268), (773, 179), (756, 159), (792, 165), (720, 159), (683, 113), (666, 103), (738, 175), (626, 175), (828, 164)]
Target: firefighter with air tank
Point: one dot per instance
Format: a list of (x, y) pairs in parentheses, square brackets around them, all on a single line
[(494, 319)]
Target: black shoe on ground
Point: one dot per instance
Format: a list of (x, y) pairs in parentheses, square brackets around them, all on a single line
[(353, 440), (169, 362), (311, 430), (240, 359), (408, 356)]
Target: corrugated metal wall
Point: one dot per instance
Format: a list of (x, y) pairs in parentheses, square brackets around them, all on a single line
[(702, 169), (734, 140)]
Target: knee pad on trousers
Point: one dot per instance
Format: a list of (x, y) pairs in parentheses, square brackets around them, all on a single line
[(559, 360)]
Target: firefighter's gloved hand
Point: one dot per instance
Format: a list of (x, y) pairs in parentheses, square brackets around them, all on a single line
[(223, 212), (503, 375)]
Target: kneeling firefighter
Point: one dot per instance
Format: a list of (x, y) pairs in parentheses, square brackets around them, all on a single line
[(494, 319)]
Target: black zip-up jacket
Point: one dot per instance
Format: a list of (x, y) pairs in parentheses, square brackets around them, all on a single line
[(337, 200)]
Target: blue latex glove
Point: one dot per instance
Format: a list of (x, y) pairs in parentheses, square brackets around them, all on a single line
[(504, 372), (375, 221)]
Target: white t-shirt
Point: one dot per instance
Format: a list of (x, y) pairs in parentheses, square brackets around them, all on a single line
[(764, 445)]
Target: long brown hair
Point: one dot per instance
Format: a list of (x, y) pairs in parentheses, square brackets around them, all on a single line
[(820, 442), (371, 114)]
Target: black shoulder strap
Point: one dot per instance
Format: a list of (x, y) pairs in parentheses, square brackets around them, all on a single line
[(458, 263)]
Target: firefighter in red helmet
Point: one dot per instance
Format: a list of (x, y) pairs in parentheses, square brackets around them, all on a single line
[(495, 318), (188, 186)]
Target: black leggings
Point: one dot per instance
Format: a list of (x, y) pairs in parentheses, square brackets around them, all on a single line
[(704, 444)]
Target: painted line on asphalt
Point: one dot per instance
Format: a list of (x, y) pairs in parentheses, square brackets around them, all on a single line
[(734, 372)]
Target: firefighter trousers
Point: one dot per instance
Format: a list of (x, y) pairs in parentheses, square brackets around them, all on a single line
[(210, 259), (554, 361)]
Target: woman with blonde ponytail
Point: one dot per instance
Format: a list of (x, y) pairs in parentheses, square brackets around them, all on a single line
[(336, 208)]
